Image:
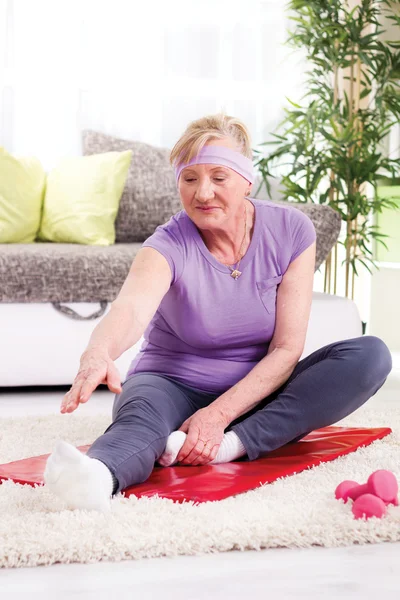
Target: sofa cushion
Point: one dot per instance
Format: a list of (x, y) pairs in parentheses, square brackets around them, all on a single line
[(57, 272), (150, 194), (49, 272), (82, 199), (22, 187)]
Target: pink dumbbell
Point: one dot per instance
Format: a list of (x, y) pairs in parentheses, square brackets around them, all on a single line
[(368, 506), (343, 489), (382, 484)]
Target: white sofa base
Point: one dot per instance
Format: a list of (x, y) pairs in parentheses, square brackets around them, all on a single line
[(39, 346)]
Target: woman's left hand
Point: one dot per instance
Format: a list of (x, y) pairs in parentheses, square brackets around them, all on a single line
[(205, 432)]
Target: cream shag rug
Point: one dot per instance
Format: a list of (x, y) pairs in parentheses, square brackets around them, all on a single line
[(296, 511)]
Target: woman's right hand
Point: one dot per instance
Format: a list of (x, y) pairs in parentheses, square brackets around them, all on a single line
[(96, 367)]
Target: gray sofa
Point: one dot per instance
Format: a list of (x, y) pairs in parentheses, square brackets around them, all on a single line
[(78, 282)]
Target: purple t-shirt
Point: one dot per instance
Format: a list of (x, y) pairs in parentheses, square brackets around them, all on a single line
[(210, 330)]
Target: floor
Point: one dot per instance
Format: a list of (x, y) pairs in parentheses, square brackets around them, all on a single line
[(351, 572)]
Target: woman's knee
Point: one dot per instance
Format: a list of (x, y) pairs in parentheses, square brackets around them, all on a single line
[(155, 400), (374, 356)]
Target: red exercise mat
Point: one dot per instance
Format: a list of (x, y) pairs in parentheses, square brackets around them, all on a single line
[(216, 482)]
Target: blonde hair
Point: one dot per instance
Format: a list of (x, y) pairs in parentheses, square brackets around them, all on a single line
[(212, 127)]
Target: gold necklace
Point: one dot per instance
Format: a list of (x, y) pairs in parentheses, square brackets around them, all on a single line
[(235, 273)]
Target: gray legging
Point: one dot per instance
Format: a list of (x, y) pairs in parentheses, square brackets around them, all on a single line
[(324, 387)]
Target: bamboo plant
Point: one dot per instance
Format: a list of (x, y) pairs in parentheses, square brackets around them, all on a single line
[(330, 148)]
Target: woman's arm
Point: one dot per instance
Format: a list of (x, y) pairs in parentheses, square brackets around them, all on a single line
[(293, 305), (146, 284)]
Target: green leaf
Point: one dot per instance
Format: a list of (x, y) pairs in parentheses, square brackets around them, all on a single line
[(293, 103), (365, 264), (378, 241)]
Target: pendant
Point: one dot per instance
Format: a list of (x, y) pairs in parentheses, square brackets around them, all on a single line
[(236, 274)]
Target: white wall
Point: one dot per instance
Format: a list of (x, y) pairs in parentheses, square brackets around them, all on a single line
[(138, 70), (385, 306)]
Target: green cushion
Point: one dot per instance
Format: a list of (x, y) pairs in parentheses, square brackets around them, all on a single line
[(22, 186), (82, 199)]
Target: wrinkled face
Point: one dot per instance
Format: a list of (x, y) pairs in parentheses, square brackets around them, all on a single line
[(212, 194)]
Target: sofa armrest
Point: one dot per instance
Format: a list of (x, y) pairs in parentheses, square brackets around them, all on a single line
[(332, 318)]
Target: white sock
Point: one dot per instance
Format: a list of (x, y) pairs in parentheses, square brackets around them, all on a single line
[(81, 481), (230, 449)]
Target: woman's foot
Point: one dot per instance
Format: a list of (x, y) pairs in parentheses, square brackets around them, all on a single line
[(175, 442), (230, 449), (82, 482)]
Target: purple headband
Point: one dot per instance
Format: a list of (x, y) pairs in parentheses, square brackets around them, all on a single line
[(220, 155)]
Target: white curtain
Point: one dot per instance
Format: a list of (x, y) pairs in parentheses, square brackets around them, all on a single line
[(139, 70)]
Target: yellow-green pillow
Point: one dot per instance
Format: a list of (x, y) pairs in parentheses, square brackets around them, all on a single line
[(22, 186), (82, 199)]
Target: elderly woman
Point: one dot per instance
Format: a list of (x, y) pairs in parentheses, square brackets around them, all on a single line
[(222, 295)]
